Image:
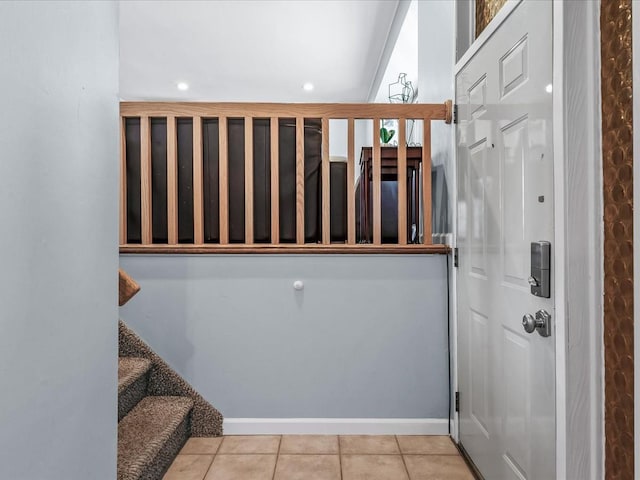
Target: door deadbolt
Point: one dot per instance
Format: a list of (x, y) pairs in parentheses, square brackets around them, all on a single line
[(541, 322), (540, 278)]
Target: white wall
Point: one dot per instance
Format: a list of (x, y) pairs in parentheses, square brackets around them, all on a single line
[(58, 248), (404, 55), (465, 25), (366, 338), (436, 58)]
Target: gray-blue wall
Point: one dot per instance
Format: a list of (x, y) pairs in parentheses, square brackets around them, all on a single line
[(366, 338), (59, 240)]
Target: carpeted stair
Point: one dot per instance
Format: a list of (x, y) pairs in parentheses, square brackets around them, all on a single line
[(157, 409), (151, 430), (133, 377)]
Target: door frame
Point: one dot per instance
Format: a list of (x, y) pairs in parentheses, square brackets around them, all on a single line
[(577, 136)]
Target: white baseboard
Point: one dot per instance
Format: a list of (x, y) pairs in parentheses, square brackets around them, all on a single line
[(336, 426)]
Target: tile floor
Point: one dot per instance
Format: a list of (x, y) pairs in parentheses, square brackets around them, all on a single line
[(319, 457)]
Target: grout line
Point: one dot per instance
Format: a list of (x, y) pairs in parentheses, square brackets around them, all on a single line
[(340, 456), (208, 454), (432, 454), (327, 454), (275, 466), (219, 445), (209, 467), (402, 456)]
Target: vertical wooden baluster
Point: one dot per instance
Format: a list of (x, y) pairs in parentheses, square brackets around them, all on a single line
[(223, 179), (172, 182), (145, 180), (198, 187), (123, 182), (248, 180), (377, 184), (300, 180), (275, 182), (351, 195), (402, 181), (326, 184), (426, 180)]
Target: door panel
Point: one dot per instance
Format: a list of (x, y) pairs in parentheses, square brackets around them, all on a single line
[(505, 202), (478, 243), (513, 141), (479, 391), (517, 399)]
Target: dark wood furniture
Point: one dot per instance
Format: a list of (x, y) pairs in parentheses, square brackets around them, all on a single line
[(389, 195)]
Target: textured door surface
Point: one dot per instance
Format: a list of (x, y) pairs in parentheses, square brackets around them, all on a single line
[(505, 202)]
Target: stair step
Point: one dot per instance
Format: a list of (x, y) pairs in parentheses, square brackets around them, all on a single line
[(133, 375), (151, 435)]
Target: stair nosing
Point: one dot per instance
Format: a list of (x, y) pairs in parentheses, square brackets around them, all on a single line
[(131, 379), (146, 454)]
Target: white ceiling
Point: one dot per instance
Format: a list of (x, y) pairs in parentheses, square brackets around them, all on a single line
[(252, 50)]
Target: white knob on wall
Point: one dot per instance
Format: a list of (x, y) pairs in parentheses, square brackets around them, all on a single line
[(298, 285)]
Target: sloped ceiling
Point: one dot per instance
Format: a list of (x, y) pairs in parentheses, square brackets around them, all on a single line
[(252, 50)]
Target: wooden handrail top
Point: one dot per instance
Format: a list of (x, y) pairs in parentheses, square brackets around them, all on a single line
[(127, 287), (285, 249), (433, 111)]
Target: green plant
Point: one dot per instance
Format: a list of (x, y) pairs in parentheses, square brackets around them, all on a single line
[(386, 135)]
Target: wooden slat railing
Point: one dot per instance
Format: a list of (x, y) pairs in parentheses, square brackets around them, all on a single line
[(145, 182), (198, 183), (275, 182), (402, 186), (223, 182), (273, 113), (172, 182)]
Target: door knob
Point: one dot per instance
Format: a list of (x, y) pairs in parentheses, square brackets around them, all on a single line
[(541, 322), (528, 323)]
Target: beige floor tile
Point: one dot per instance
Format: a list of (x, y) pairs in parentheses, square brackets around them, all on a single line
[(201, 446), (189, 467), (242, 467), (427, 445), (437, 467), (373, 467), (250, 444), (309, 444), (368, 444), (308, 467)]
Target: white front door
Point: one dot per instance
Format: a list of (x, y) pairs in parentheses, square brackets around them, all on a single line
[(505, 202)]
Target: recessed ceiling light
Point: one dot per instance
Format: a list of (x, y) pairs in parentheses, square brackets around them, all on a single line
[(549, 88), (308, 86), (183, 86)]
